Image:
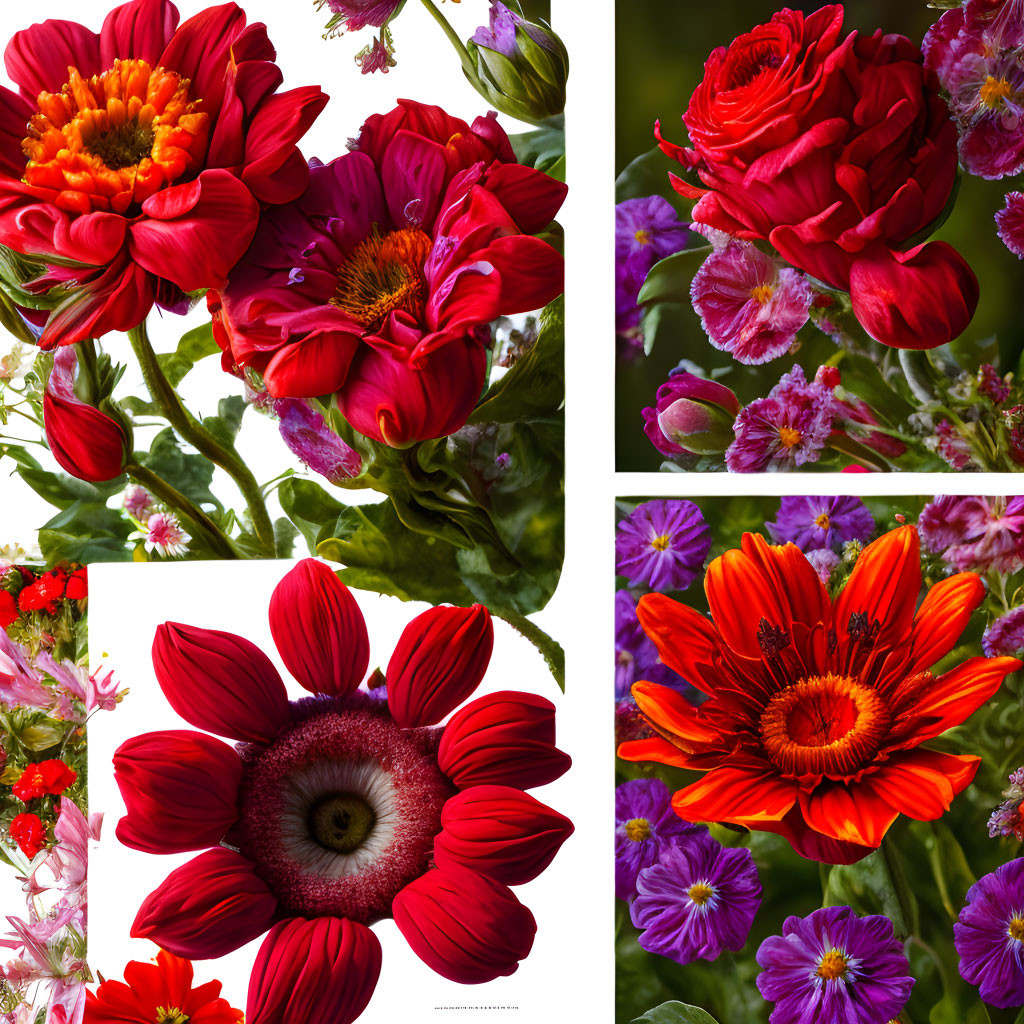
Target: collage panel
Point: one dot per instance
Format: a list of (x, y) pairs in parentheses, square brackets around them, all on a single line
[(818, 759), (818, 235)]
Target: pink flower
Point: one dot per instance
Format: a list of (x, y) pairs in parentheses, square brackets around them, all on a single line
[(972, 532), (138, 503), (1010, 223), (163, 534), (20, 683), (749, 304)]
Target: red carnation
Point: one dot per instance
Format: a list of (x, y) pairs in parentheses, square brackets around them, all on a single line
[(29, 833), (839, 151), (148, 150), (45, 778), (8, 609), (77, 588), (43, 593)]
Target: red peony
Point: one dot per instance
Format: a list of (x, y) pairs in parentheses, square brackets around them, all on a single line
[(46, 778), (29, 833), (148, 150), (379, 284), (341, 809), (161, 993), (840, 152)]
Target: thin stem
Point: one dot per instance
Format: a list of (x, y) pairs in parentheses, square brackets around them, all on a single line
[(548, 646), (899, 884), (192, 431), (90, 368), (460, 47), (159, 487)]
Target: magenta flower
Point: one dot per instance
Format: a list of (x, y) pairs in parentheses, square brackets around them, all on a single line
[(749, 304), (788, 428), (308, 436), (1005, 636), (974, 532), (1010, 223), (952, 446), (691, 416), (162, 533), (1006, 819), (662, 544), (824, 561), (354, 15)]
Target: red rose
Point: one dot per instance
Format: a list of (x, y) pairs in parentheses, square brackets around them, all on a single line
[(839, 151), (29, 833), (45, 778)]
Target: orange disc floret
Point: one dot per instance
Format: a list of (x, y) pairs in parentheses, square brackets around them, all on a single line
[(111, 141), (818, 709)]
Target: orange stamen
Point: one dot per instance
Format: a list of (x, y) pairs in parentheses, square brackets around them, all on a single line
[(111, 141)]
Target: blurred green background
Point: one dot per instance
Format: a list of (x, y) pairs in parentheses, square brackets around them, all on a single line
[(660, 51)]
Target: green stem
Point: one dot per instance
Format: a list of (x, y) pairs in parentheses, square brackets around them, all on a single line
[(460, 47), (90, 368), (157, 486), (548, 646), (899, 884), (192, 431)]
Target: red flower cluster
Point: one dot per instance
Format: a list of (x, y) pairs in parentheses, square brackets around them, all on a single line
[(148, 150), (41, 592), (28, 831), (840, 152), (45, 778)]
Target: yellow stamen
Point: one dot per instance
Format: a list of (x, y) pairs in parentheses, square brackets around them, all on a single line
[(994, 91), (789, 436), (700, 893), (638, 830), (832, 965), (822, 522), (170, 1015), (661, 543), (1016, 929), (761, 293), (643, 236)]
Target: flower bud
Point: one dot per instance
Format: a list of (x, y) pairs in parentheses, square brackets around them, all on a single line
[(692, 416), (521, 66)]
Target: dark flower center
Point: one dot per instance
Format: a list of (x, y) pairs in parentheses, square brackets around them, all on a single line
[(750, 61), (342, 822), (383, 274), (829, 725)]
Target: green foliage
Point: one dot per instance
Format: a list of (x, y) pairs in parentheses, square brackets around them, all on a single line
[(676, 1013)]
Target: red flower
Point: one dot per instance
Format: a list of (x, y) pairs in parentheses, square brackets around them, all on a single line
[(8, 609), (333, 806), (44, 593), (379, 283), (29, 833), (839, 151), (86, 442), (158, 992), (77, 588), (817, 710), (44, 778), (147, 153)]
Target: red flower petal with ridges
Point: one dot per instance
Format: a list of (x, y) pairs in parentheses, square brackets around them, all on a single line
[(439, 660), (206, 908), (165, 986), (319, 629), (816, 709), (500, 832), (466, 927), (219, 682), (180, 790), (325, 969)]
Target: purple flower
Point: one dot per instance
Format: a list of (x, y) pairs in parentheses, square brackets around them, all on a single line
[(306, 433), (813, 523), (973, 532), (749, 304), (662, 544), (788, 428), (951, 445), (644, 824), (378, 55), (1006, 819), (691, 416), (357, 14), (824, 562), (976, 50), (1005, 636), (833, 966), (1010, 223), (646, 231), (989, 937), (698, 900)]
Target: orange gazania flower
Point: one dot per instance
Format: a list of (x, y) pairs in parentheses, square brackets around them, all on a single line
[(816, 709)]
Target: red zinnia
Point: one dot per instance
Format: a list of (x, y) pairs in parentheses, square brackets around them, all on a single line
[(161, 993), (44, 778), (816, 709), (28, 831), (340, 809), (148, 150)]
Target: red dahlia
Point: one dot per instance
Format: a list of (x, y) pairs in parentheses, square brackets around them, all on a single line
[(817, 710), (343, 808), (148, 150)]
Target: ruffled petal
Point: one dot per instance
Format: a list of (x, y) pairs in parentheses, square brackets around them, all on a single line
[(317, 365), (37, 58), (531, 197), (922, 783), (852, 813)]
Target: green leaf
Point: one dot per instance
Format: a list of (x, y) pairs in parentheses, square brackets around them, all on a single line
[(868, 888), (228, 421), (670, 278), (62, 490), (57, 546), (676, 1013), (194, 345), (284, 537), (647, 175), (542, 148), (310, 508), (190, 474)]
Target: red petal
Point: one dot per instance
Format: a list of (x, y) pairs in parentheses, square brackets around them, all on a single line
[(206, 908), (140, 30), (654, 749), (743, 796), (14, 115), (669, 711), (320, 970), (532, 272), (942, 617), (413, 173), (315, 366), (319, 629), (220, 682), (86, 443), (439, 661), (687, 642), (531, 197), (849, 813), (180, 790), (37, 58), (464, 926), (500, 832), (922, 783)]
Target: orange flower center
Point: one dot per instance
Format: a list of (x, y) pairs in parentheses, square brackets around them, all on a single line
[(822, 522), (382, 274), (823, 725), (789, 436), (661, 543), (761, 293), (832, 965), (111, 141), (170, 1015), (700, 893), (1016, 928), (994, 92), (643, 237), (638, 829)]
